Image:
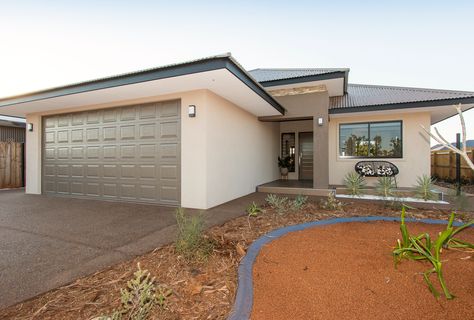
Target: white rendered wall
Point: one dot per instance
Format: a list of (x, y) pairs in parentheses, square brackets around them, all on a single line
[(241, 151)]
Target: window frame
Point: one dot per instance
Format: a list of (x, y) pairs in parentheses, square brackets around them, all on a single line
[(368, 128)]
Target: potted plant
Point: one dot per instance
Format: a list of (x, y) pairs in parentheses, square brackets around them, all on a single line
[(284, 163)]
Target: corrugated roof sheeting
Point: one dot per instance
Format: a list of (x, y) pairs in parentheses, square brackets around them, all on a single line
[(272, 74), (14, 134), (361, 95)]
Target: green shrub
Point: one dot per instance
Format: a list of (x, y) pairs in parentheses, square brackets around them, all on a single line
[(299, 202), (424, 188), (190, 241), (139, 297), (423, 248), (385, 187), (253, 210), (331, 203), (355, 183), (280, 204)]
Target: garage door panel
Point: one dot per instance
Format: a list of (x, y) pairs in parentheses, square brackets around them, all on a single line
[(148, 111), (110, 190), (125, 153), (169, 109), (169, 130), (77, 188), (92, 189), (110, 152), (128, 152), (110, 134), (169, 193), (169, 151), (93, 152)]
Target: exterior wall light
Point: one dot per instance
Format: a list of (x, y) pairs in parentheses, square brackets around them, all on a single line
[(320, 121), (29, 126), (192, 111)]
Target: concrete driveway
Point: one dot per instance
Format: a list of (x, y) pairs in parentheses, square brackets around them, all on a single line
[(46, 242)]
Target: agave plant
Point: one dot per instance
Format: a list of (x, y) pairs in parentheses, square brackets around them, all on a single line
[(385, 186), (355, 183), (423, 248), (424, 188)]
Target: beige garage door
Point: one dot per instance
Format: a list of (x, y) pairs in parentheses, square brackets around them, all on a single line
[(127, 153)]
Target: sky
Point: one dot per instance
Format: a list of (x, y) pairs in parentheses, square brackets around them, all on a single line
[(426, 44)]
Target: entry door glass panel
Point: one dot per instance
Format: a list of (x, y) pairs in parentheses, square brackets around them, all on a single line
[(306, 156)]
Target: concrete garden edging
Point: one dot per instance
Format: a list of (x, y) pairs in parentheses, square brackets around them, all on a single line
[(244, 299)]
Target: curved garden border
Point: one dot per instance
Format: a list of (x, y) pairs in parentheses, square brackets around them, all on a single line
[(244, 299)]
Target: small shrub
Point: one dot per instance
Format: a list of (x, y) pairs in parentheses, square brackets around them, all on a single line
[(331, 203), (253, 210), (190, 241), (299, 202), (139, 297), (424, 188), (280, 204), (355, 183), (385, 187)]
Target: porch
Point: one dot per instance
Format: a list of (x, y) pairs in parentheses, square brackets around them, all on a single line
[(295, 187)]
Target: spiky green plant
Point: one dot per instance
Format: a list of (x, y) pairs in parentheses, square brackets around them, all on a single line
[(385, 187), (423, 248), (424, 188), (139, 297), (355, 183)]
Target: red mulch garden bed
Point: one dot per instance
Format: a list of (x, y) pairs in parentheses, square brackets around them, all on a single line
[(346, 271)]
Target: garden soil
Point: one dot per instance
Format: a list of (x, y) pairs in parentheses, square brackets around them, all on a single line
[(346, 271)]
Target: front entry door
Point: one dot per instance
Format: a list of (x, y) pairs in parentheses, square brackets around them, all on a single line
[(305, 156)]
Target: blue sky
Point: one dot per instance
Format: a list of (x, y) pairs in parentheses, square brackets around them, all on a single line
[(407, 43)]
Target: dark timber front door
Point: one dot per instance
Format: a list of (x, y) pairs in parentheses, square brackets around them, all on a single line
[(305, 156)]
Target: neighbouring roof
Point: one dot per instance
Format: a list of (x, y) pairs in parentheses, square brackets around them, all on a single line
[(167, 71), (273, 74), (6, 121), (362, 97)]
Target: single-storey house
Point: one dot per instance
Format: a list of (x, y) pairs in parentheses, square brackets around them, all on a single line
[(204, 132)]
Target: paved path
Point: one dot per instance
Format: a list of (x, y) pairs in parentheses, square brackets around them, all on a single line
[(46, 242)]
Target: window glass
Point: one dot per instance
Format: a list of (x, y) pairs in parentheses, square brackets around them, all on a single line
[(373, 139), (288, 148), (385, 139), (354, 140)]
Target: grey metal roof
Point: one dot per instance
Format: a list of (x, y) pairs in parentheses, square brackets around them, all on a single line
[(362, 97), (172, 70), (272, 74)]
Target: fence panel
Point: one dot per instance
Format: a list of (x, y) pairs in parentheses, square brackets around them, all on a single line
[(11, 165), (443, 165)]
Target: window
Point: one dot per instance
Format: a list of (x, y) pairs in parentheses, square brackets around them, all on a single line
[(371, 140), (288, 148)]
